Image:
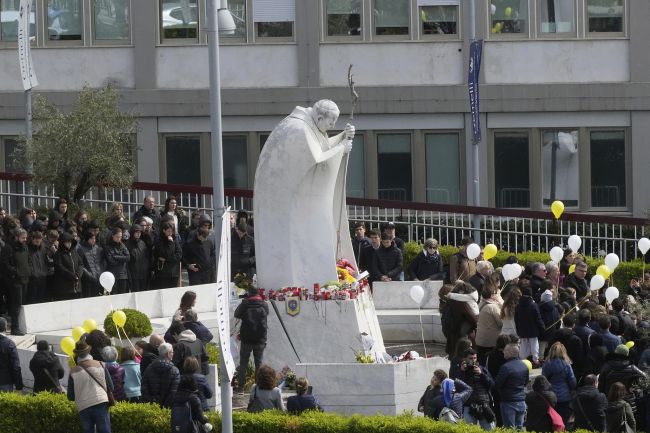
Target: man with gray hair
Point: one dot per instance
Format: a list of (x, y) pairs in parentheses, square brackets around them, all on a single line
[(16, 270), (511, 383), (578, 281), (483, 270), (148, 209), (161, 378), (538, 271)]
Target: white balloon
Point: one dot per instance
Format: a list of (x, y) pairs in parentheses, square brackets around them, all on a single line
[(644, 245), (107, 279), (611, 293), (417, 293), (612, 261), (597, 281), (473, 250), (556, 254), (493, 9), (505, 272), (574, 243), (516, 270)]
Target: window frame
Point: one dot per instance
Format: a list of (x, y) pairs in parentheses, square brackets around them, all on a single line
[(561, 35), (82, 42), (342, 38), (492, 165), (274, 39), (436, 37), (462, 171), (527, 35), (582, 149), (628, 170), (246, 137), (379, 38), (164, 175), (200, 24), (411, 134), (110, 42), (606, 35)]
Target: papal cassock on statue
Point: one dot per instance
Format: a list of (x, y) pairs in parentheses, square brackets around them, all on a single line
[(301, 225)]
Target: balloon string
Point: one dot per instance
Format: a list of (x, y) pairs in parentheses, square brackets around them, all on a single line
[(574, 307), (128, 339), (422, 331)]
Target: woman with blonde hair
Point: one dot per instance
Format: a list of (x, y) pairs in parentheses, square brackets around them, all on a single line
[(303, 400), (508, 311), (557, 369)]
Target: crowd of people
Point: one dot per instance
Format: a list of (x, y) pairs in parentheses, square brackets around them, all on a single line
[(593, 353), (58, 256)]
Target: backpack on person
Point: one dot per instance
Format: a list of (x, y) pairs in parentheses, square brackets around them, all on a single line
[(182, 421), (448, 415)]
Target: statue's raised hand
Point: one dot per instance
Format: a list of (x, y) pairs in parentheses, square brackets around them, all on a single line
[(349, 131)]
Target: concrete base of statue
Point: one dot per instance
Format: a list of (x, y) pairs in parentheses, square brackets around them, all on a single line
[(368, 389), (401, 319)]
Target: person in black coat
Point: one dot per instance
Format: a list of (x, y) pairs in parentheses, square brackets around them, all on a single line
[(167, 256), (578, 281), (117, 261), (573, 345), (93, 263), (367, 253), (252, 311), (537, 278), (67, 269), (428, 264), (191, 322), (46, 368), (139, 260), (148, 209), (149, 351), (537, 402), (187, 345), (242, 252), (10, 373), (529, 324), (160, 380), (188, 393), (199, 258), (41, 267), (359, 240), (14, 263), (303, 400), (590, 406), (429, 404), (387, 262)]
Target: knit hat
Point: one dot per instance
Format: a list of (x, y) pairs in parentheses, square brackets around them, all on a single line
[(81, 348), (622, 349), (547, 296)]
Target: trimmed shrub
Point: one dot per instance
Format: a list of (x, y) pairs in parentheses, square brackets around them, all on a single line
[(53, 413), (137, 324), (621, 277)]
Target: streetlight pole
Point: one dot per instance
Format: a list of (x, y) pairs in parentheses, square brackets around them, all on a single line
[(217, 180)]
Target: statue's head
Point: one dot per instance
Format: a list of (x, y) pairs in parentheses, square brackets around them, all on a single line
[(325, 114)]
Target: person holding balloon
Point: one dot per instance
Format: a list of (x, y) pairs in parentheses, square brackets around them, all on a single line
[(461, 265)]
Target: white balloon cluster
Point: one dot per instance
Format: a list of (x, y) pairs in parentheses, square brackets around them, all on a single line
[(511, 271)]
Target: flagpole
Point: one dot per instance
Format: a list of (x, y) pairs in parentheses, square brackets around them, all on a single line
[(476, 219)]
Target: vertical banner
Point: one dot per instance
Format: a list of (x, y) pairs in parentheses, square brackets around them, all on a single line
[(223, 296), (24, 49), (475, 53)]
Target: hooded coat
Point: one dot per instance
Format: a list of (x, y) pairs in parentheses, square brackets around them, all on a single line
[(189, 345), (41, 362), (67, 267)]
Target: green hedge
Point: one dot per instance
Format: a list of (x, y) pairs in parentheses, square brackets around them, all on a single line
[(624, 272), (137, 324), (52, 413)]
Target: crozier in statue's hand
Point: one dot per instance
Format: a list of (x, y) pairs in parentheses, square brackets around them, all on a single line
[(347, 146), (349, 131)]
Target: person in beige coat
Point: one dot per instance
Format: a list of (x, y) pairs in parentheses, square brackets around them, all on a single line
[(489, 323), (461, 267)]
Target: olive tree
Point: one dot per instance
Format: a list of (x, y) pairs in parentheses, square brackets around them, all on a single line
[(89, 146)]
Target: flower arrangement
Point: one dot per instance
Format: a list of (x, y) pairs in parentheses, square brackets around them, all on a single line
[(287, 378)]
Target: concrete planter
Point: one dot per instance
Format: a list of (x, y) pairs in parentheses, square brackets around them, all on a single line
[(369, 389)]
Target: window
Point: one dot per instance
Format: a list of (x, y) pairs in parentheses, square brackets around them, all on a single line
[(355, 182), (511, 179), (391, 17), (438, 17), (11, 164), (556, 16), (263, 138), (235, 165), (343, 17), (179, 19), (509, 16), (394, 166), (183, 159), (64, 20), (605, 16), (274, 18), (9, 13), (443, 168), (237, 9), (560, 167), (607, 168), (111, 20)]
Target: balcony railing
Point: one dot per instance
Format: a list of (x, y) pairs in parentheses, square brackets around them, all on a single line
[(513, 230)]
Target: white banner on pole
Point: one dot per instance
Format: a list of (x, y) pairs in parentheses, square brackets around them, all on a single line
[(24, 49), (223, 295)]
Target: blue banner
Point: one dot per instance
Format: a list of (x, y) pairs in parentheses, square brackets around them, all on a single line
[(475, 53)]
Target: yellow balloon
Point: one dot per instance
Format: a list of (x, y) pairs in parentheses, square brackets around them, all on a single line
[(119, 318), (557, 207), (489, 251), (77, 332), (508, 11), (572, 268), (604, 271), (629, 344), (90, 325), (528, 364), (67, 345)]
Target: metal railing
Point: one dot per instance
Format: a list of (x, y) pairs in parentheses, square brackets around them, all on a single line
[(512, 230)]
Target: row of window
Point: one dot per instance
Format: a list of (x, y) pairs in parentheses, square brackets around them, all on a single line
[(109, 21), (569, 159)]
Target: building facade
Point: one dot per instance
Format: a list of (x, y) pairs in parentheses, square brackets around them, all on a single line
[(565, 104)]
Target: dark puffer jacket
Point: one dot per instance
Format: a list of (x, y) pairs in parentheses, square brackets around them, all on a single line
[(252, 312), (426, 266), (618, 368), (40, 362), (590, 407), (387, 261), (160, 382), (528, 319), (67, 267), (172, 253), (139, 259), (117, 259), (537, 418), (10, 372), (560, 374), (92, 259), (117, 376)]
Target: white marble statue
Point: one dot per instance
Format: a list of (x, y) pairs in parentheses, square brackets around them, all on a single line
[(301, 225)]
